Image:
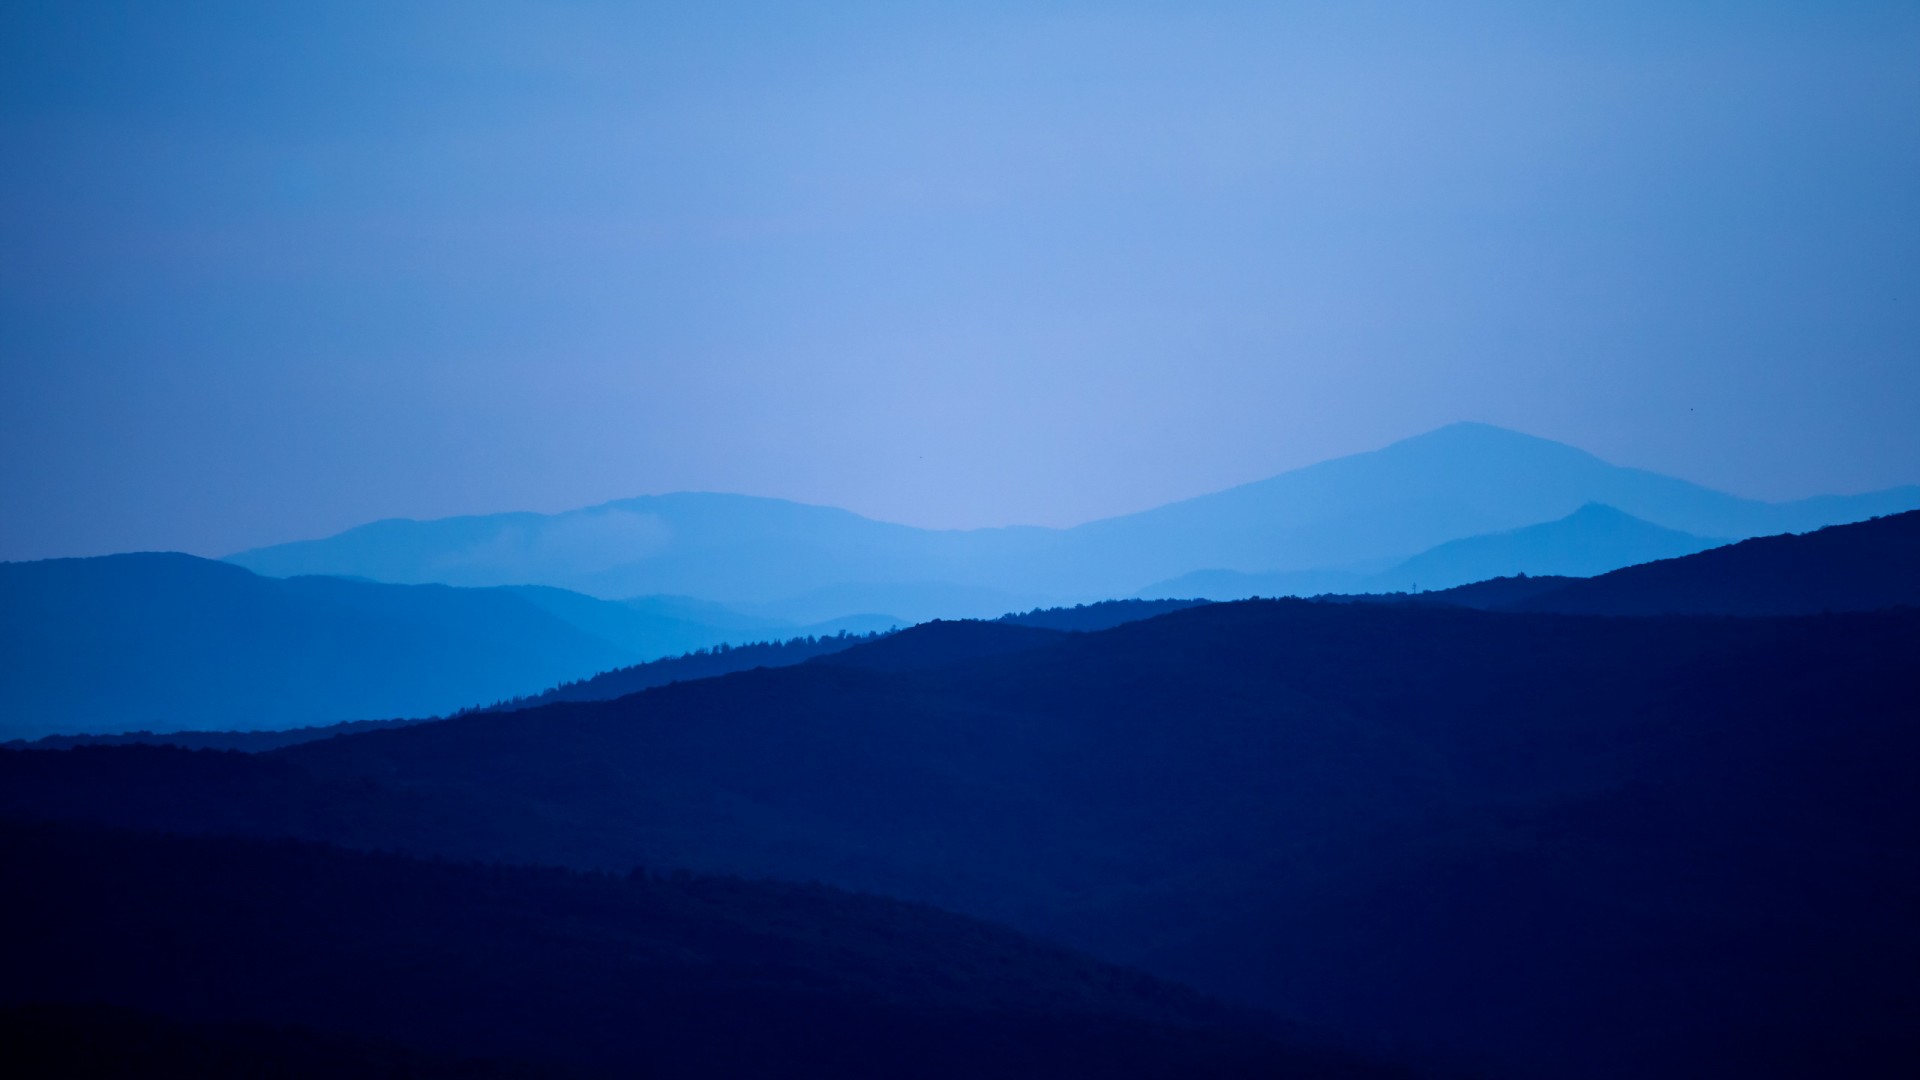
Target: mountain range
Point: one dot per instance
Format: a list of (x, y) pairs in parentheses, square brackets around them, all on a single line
[(1864, 566), (164, 641), (1500, 843), (1356, 515)]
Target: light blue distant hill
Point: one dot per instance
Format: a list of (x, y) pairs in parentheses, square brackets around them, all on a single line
[(1368, 511), (1592, 540), (163, 642)]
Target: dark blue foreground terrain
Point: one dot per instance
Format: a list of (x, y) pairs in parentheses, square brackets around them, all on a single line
[(1499, 843)]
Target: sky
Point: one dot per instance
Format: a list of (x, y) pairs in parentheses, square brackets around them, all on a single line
[(274, 270)]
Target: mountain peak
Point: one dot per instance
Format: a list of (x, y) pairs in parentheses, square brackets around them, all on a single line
[(1473, 435)]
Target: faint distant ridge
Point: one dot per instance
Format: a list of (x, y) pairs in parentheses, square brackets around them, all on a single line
[(167, 641), (1592, 540), (704, 663), (1355, 515), (1863, 566)]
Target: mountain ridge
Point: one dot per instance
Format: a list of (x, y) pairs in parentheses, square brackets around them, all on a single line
[(1384, 505), (167, 641)]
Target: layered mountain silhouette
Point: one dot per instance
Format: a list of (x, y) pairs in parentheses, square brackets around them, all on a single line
[(1592, 540), (168, 641), (1363, 513), (1654, 822), (1518, 844), (703, 664), (1859, 567)]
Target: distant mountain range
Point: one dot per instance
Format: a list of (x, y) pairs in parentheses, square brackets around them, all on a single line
[(167, 641), (705, 663), (1499, 843), (1357, 515), (1519, 844)]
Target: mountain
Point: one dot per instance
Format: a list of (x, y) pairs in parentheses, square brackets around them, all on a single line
[(1366, 511), (702, 664), (628, 975), (1513, 844), (1858, 567), (167, 641), (1592, 540)]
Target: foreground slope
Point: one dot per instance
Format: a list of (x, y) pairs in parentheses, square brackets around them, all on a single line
[(1858, 567), (91, 1041), (631, 974), (1536, 845)]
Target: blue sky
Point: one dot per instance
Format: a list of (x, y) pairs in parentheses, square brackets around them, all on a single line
[(275, 270)]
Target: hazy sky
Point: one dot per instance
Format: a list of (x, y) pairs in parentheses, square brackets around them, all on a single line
[(272, 270)]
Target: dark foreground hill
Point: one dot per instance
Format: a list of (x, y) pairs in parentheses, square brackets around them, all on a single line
[(1858, 567), (106, 1042), (1539, 845), (628, 975), (1864, 566)]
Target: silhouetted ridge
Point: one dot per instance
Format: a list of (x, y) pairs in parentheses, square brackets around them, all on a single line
[(942, 643), (1859, 567), (1104, 615), (1407, 822), (700, 664)]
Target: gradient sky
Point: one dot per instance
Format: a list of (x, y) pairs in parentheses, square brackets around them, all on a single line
[(273, 270)]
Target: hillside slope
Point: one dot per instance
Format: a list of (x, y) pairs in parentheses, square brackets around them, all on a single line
[(1533, 845), (1858, 567), (632, 974)]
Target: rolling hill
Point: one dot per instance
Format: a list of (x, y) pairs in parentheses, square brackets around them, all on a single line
[(627, 975), (1858, 567), (705, 663), (1864, 566), (167, 641), (1516, 844)]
